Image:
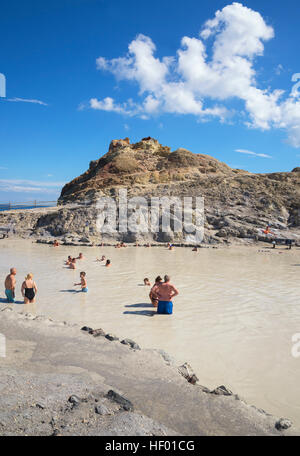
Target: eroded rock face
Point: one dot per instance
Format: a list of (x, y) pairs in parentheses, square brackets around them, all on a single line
[(238, 204)]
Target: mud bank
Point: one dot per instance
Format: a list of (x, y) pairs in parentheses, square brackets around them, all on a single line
[(58, 379)]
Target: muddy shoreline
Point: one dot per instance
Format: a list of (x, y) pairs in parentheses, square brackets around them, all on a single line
[(57, 378)]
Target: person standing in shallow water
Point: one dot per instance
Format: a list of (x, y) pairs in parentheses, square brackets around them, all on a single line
[(10, 285), (29, 289), (83, 282), (165, 292)]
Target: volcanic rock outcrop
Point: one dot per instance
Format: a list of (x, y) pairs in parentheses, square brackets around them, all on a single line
[(238, 204)]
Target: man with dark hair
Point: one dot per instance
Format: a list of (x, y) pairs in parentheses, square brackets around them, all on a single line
[(165, 292)]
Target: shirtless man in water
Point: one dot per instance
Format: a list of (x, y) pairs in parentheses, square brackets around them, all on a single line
[(165, 292), (10, 285)]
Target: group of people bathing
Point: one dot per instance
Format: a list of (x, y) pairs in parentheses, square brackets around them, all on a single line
[(161, 293), (71, 262)]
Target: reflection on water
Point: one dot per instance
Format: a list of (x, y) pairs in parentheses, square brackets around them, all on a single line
[(234, 318)]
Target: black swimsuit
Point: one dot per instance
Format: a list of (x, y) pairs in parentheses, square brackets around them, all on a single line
[(29, 293)]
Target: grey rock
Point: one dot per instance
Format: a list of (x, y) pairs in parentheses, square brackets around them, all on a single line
[(97, 332), (87, 329), (282, 424), (84, 239), (102, 410), (187, 372), (131, 344), (40, 405), (222, 391), (75, 400), (125, 403), (111, 337)]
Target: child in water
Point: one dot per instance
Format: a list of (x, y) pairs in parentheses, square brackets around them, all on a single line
[(83, 282), (147, 281)]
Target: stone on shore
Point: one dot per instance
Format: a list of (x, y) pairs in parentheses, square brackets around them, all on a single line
[(87, 329), (75, 400), (187, 372), (97, 332), (111, 337), (222, 391), (131, 344), (282, 424), (102, 410), (125, 403)]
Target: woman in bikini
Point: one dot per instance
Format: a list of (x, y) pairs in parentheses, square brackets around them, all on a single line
[(29, 289)]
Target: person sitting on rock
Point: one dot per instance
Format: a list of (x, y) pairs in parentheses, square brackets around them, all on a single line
[(55, 243), (83, 282)]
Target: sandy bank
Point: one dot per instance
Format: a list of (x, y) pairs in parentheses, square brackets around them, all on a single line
[(48, 362)]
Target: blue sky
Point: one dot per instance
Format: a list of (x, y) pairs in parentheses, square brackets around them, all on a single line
[(82, 72)]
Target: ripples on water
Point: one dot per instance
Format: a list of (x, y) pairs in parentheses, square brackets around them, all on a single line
[(234, 318)]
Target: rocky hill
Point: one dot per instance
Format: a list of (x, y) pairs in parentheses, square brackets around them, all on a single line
[(238, 204)]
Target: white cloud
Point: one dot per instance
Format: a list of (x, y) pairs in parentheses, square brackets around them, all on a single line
[(29, 186), (26, 100), (279, 69), (194, 83), (250, 152)]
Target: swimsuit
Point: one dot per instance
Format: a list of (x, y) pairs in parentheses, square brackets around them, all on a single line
[(165, 307), (9, 295), (29, 293), (85, 289)]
